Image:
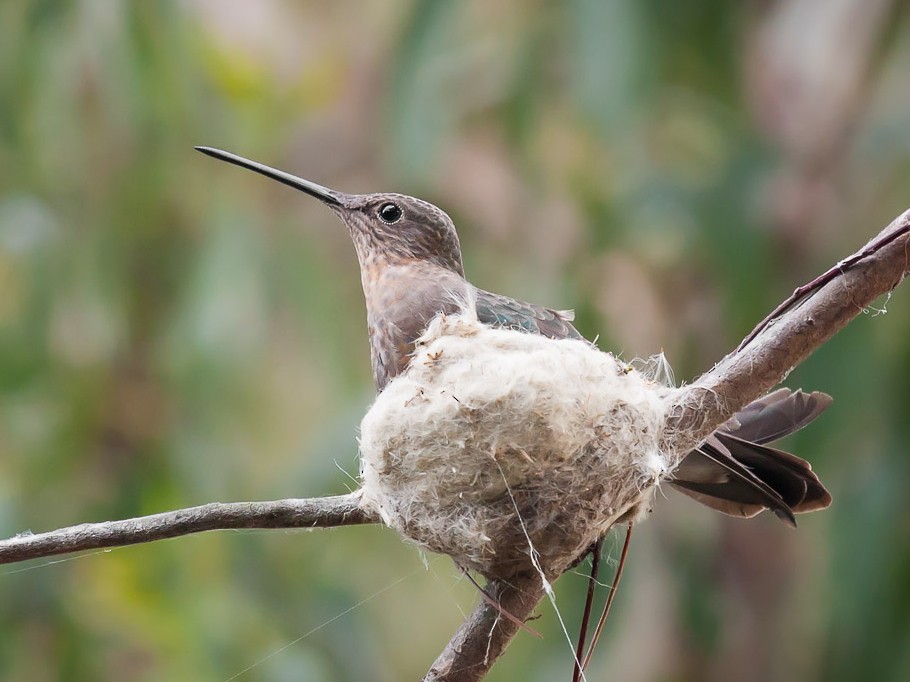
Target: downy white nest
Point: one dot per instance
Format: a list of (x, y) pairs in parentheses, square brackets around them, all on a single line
[(494, 442)]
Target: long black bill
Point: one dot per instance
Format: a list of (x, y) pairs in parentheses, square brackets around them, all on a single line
[(324, 194)]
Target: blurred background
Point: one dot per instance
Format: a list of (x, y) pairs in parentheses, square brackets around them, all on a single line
[(175, 331)]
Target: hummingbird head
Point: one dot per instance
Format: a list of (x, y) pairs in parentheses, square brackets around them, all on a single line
[(385, 228)]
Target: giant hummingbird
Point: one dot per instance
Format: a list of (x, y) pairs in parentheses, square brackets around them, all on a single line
[(411, 270)]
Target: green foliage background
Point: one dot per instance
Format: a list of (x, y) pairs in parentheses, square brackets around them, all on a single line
[(175, 331)]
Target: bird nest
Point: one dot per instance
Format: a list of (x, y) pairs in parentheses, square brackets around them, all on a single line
[(510, 451)]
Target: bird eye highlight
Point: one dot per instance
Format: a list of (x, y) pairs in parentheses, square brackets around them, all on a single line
[(390, 213)]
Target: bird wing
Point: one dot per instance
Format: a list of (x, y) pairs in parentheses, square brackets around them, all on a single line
[(502, 311)]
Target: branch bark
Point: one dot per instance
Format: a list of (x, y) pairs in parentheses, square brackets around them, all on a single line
[(321, 512), (483, 637)]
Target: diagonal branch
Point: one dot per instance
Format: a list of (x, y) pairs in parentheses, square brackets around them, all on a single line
[(320, 512), (782, 341), (486, 633)]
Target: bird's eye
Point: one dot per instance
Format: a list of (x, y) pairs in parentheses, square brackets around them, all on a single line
[(390, 213)]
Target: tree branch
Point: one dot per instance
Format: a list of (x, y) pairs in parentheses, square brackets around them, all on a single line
[(805, 321), (782, 343), (320, 512), (483, 637)]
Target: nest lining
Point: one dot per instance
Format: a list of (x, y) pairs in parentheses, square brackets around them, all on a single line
[(496, 444)]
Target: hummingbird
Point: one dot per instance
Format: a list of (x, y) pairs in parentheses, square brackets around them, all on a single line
[(411, 270)]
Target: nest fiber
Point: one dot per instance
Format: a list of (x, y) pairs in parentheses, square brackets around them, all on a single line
[(509, 451)]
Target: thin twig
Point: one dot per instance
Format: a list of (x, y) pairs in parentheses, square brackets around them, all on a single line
[(321, 512), (589, 604), (802, 292), (615, 586)]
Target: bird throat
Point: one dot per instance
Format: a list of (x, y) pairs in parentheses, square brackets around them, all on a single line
[(401, 299)]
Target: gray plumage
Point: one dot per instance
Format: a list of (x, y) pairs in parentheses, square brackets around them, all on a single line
[(411, 270)]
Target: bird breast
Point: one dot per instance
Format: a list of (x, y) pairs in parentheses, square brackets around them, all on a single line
[(401, 301)]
